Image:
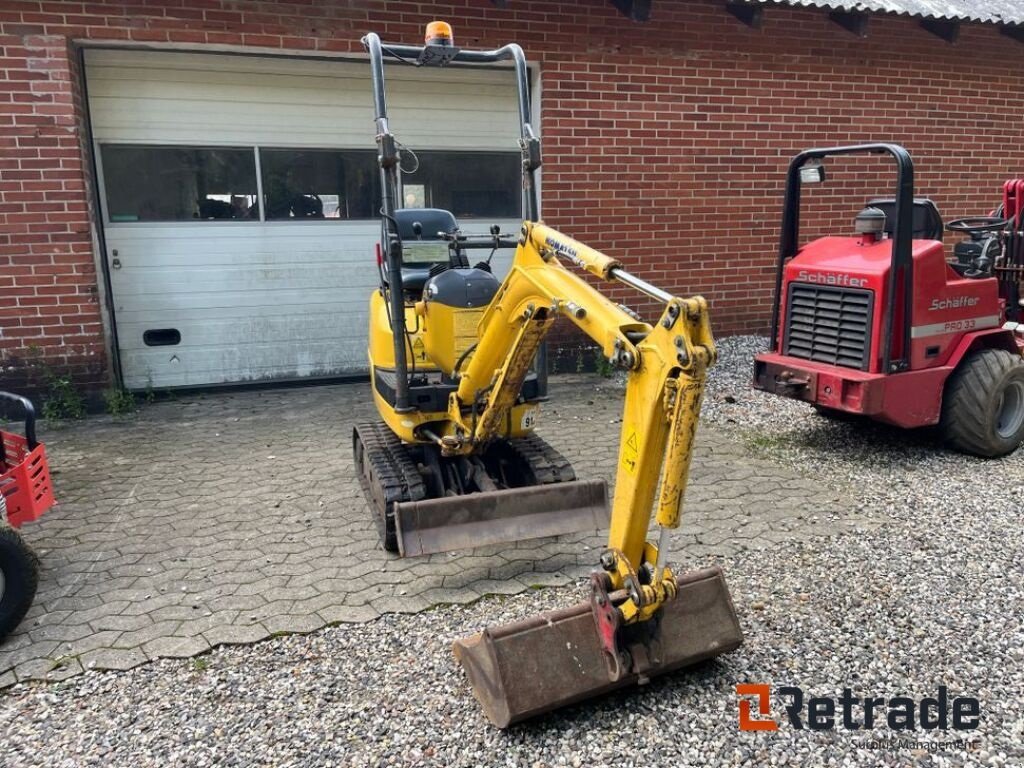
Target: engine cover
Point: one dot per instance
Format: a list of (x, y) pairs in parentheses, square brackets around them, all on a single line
[(454, 302)]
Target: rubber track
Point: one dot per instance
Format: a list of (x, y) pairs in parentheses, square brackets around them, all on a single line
[(548, 465), (393, 472), (965, 418)]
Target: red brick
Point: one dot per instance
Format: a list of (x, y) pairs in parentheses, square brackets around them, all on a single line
[(665, 143)]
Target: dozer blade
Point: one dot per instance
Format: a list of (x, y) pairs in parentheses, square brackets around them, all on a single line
[(555, 659), (495, 517)]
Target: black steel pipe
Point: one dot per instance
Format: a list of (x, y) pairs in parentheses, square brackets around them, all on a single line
[(390, 240), (390, 181), (531, 207), (30, 417)]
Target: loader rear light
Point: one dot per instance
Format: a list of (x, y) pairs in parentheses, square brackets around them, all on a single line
[(380, 255), (438, 33)]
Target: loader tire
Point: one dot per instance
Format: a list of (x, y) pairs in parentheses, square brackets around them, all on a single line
[(19, 578), (387, 474), (983, 407)]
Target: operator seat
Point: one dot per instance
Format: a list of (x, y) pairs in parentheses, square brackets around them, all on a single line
[(432, 221), (927, 220)]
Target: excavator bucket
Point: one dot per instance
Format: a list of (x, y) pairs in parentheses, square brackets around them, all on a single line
[(555, 659), (495, 517)]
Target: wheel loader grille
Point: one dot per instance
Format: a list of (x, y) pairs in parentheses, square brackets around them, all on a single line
[(829, 325)]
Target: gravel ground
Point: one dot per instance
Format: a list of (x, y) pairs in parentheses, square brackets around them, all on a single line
[(928, 593)]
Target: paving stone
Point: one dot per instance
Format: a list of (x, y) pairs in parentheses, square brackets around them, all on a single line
[(205, 623), (140, 636), (104, 639), (63, 668), (400, 604), (113, 658), (175, 647), (157, 517), (122, 622), (235, 634), (286, 624), (41, 649), (347, 614), (33, 669)]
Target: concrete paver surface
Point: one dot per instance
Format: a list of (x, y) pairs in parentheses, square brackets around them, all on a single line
[(230, 517)]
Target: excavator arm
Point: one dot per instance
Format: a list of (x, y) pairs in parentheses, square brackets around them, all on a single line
[(666, 366)]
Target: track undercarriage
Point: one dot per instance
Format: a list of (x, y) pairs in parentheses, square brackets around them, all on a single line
[(416, 492)]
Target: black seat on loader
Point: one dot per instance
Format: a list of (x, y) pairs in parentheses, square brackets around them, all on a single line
[(432, 222), (927, 220)]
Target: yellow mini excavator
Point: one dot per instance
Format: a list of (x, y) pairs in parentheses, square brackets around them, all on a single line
[(454, 464)]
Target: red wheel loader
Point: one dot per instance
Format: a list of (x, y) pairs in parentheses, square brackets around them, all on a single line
[(878, 324), (452, 461), (25, 494)]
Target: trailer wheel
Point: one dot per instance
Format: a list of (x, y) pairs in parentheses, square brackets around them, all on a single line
[(983, 409), (19, 577)]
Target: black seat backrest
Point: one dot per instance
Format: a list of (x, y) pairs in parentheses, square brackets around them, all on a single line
[(433, 220), (927, 220)]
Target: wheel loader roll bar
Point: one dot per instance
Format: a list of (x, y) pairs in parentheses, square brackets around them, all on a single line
[(902, 259), (388, 151)]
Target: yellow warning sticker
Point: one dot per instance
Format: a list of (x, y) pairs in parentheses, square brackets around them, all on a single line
[(630, 450), (419, 351)]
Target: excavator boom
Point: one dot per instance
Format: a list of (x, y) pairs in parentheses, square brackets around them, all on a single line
[(640, 620)]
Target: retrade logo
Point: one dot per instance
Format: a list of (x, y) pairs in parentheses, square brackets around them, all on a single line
[(825, 713), (763, 694)]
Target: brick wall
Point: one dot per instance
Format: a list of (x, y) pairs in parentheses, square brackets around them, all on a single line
[(665, 143)]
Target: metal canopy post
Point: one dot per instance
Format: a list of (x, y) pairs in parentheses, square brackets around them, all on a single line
[(388, 159)]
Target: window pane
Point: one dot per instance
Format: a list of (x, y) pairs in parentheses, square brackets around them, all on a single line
[(469, 184), (320, 183), (179, 183)]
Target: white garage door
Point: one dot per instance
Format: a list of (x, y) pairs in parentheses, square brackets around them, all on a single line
[(239, 196)]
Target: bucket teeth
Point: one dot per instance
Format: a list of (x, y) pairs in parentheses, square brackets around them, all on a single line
[(555, 659)]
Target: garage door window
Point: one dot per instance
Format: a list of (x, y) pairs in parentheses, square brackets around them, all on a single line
[(469, 184), (179, 183), (319, 183)]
